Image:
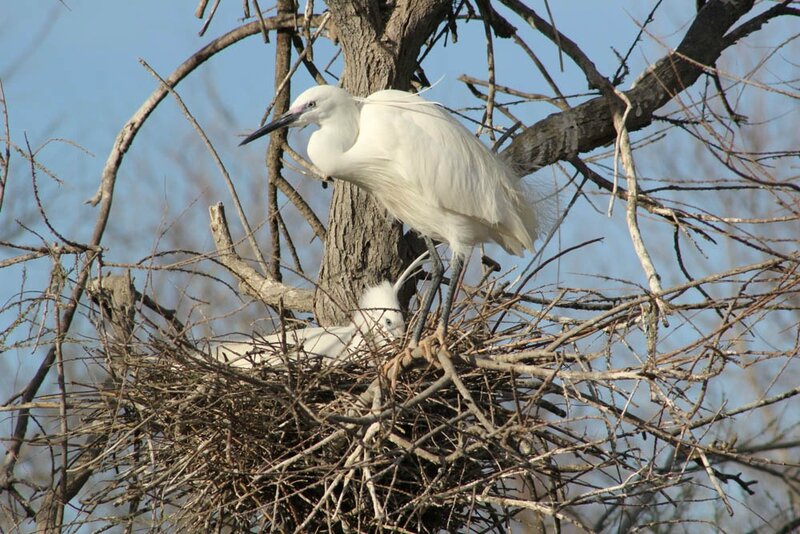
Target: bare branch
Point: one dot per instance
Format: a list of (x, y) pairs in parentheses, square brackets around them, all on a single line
[(128, 133), (5, 161), (590, 125), (281, 100), (268, 291)]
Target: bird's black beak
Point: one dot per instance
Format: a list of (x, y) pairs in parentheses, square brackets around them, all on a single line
[(284, 120)]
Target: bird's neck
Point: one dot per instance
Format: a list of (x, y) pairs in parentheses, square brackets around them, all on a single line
[(334, 137)]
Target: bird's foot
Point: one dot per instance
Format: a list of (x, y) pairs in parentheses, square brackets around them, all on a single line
[(392, 368), (435, 345), (431, 348)]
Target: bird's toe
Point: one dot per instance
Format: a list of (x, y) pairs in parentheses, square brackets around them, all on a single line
[(430, 347)]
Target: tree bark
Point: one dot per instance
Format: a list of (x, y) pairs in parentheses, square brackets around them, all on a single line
[(381, 44)]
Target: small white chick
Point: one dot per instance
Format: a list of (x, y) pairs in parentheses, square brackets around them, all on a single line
[(377, 320)]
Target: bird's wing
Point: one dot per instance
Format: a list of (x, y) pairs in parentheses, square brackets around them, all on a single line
[(329, 343), (439, 160), (246, 354)]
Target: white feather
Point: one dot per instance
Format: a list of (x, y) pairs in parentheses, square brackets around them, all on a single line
[(424, 166), (377, 320)]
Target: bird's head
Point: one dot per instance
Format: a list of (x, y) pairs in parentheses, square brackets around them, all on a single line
[(378, 314), (313, 106)]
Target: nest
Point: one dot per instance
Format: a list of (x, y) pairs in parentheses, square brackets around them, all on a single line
[(437, 446), (521, 418)]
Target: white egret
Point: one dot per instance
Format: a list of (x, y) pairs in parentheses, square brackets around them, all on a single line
[(425, 168), (377, 320)]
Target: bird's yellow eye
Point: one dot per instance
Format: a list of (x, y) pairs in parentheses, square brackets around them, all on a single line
[(311, 104)]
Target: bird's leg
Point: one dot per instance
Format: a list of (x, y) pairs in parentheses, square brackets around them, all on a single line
[(437, 272), (456, 266)]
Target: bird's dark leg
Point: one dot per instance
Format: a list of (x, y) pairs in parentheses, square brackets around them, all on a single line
[(456, 266), (437, 272)]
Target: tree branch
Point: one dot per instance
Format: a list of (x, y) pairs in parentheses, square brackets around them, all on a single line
[(251, 282), (283, 88), (116, 297), (126, 136), (563, 135)]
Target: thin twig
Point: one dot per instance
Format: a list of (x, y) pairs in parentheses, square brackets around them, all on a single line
[(221, 166)]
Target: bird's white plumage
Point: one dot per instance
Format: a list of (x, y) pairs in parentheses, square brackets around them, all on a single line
[(331, 345), (425, 167), (377, 320)]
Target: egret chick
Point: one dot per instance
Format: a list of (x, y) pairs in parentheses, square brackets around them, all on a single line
[(424, 167), (376, 322)]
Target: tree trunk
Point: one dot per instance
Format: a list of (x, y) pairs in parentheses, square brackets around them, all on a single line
[(381, 45)]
